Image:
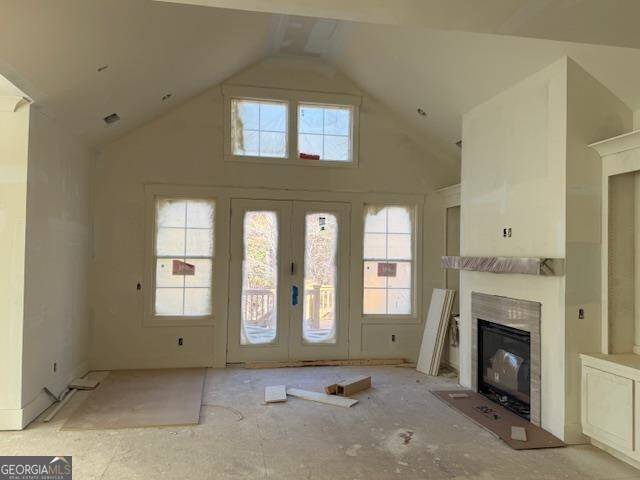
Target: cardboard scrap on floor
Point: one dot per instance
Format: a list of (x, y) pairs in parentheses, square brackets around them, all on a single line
[(84, 384), (500, 421), (458, 395), (349, 387), (141, 398), (519, 433), (275, 394)]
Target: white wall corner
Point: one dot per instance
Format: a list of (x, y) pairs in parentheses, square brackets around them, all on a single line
[(10, 103), (573, 434)]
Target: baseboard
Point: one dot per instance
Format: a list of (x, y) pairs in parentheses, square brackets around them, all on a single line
[(19, 418), (43, 400), (615, 453), (38, 405)]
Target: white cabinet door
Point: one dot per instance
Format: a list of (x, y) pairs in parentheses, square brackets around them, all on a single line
[(608, 408)]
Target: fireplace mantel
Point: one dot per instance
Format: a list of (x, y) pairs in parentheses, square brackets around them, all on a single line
[(522, 265)]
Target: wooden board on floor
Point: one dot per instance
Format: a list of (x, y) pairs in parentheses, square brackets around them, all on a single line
[(322, 397), (327, 363), (353, 385), (275, 394), (499, 420), (142, 398)]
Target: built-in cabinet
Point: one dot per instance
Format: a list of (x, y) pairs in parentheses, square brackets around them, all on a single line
[(611, 403), (611, 378)]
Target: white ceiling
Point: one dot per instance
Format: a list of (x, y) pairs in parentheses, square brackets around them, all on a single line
[(447, 73), (52, 50), (601, 22)]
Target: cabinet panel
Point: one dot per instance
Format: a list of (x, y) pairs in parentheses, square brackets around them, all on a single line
[(608, 408)]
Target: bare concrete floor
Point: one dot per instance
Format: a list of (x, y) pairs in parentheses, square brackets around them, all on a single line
[(398, 430)]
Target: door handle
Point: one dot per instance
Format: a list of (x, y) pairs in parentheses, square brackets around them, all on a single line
[(294, 295)]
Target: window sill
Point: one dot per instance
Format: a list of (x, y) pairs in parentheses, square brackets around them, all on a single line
[(179, 322), (296, 162)]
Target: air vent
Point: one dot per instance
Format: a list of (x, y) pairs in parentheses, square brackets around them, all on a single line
[(113, 118)]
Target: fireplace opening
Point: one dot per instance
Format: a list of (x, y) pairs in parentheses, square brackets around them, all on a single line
[(504, 366)]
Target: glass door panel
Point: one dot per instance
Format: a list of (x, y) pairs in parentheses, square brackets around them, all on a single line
[(259, 278), (320, 238), (320, 278)]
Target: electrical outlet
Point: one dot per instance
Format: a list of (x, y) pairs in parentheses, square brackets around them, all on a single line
[(180, 341), (506, 232), (581, 314)]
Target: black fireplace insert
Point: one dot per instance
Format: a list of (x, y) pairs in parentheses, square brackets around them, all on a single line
[(504, 366)]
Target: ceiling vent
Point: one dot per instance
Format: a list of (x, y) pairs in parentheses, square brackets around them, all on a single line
[(113, 118)]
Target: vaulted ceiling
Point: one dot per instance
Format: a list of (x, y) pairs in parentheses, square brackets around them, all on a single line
[(408, 54)]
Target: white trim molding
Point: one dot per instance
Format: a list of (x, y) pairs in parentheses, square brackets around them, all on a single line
[(10, 103), (620, 143)]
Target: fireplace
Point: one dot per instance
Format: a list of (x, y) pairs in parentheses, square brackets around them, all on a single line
[(504, 366), (505, 352)]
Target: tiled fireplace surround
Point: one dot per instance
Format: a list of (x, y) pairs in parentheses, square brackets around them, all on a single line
[(514, 313)]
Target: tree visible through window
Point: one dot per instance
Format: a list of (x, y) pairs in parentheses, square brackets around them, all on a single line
[(259, 128), (259, 277), (388, 260)]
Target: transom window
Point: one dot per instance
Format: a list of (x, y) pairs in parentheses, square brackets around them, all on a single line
[(324, 132), (183, 257), (288, 127), (388, 260), (259, 128)]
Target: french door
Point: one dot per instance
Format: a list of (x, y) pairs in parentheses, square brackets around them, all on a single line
[(289, 281)]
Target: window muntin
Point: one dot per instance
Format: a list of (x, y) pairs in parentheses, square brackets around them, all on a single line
[(259, 128), (325, 132), (183, 257), (388, 260)]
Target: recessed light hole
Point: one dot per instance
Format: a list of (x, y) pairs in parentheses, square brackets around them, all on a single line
[(113, 118)]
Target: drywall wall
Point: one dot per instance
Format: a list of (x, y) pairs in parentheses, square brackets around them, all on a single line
[(621, 263), (513, 175), (452, 352), (527, 166), (185, 147), (14, 145), (593, 114), (58, 251)]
